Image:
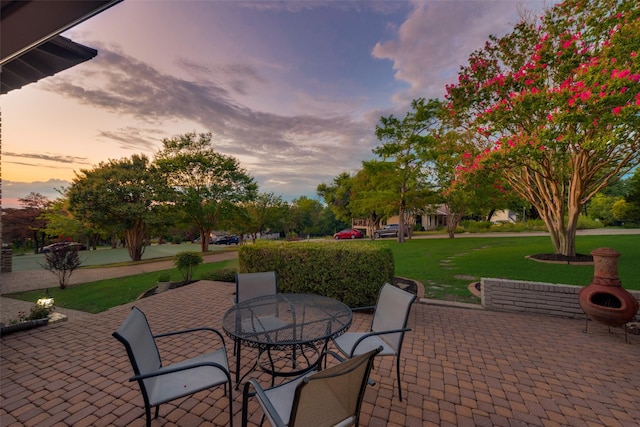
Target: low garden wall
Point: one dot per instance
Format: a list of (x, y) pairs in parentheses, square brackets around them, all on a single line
[(533, 297)]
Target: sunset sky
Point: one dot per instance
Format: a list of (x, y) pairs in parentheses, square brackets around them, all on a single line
[(292, 89)]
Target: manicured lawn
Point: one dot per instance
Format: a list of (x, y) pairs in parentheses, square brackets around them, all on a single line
[(447, 266), (444, 266), (99, 296)]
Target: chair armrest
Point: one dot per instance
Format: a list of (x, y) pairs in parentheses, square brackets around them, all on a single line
[(334, 354), (184, 331), (370, 334), (180, 368), (370, 308), (267, 405)]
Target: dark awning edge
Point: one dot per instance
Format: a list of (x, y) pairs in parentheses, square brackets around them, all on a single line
[(49, 58)]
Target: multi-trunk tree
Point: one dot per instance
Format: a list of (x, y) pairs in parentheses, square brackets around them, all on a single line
[(557, 103), (125, 194)]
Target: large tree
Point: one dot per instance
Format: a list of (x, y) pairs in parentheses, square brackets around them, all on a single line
[(337, 196), (558, 104), (264, 213), (34, 204), (207, 185), (404, 143), (125, 193)]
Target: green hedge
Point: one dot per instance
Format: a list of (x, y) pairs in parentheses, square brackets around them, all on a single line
[(351, 272)]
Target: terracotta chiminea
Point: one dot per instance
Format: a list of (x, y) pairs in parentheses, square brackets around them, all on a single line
[(604, 300)]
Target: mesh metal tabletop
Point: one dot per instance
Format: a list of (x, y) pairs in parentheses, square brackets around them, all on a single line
[(281, 321)]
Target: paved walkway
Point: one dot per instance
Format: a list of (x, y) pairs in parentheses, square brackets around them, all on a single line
[(460, 368)]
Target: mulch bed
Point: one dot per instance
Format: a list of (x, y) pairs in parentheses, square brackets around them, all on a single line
[(563, 258)]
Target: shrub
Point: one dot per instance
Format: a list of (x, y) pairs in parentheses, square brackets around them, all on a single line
[(186, 263), (222, 275), (350, 272), (164, 276), (62, 261)]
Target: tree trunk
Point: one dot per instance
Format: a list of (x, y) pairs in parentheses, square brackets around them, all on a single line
[(204, 239), (134, 240), (401, 215)]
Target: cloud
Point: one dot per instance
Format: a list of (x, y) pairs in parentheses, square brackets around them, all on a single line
[(57, 158), (285, 148), (428, 50), (134, 139), (13, 190)]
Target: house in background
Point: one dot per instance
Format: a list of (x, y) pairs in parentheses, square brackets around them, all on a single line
[(504, 215), (437, 218)]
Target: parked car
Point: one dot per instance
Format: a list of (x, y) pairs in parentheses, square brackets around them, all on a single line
[(349, 233), (54, 246), (227, 240), (389, 230)]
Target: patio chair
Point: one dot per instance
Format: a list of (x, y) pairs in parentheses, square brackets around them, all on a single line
[(252, 285), (387, 327), (161, 384), (331, 397)]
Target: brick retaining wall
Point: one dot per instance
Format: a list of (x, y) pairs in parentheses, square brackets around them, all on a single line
[(533, 297)]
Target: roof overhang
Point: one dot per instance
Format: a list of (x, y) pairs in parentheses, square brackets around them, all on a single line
[(30, 45)]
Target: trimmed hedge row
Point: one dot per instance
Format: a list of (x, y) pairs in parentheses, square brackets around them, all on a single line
[(350, 272)]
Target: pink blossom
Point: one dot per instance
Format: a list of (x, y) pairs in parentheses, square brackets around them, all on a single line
[(616, 111), (550, 117), (623, 89), (585, 95), (620, 74), (595, 122), (634, 54)]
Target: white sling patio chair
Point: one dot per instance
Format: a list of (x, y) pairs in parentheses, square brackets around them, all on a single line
[(253, 285), (387, 328), (161, 384), (331, 397)]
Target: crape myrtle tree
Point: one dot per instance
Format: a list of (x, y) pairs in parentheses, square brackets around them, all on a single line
[(125, 193), (558, 103), (208, 187), (404, 143), (483, 191)]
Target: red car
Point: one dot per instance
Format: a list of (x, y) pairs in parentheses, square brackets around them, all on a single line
[(349, 233)]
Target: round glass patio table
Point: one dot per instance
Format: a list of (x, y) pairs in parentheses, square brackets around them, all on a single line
[(296, 322)]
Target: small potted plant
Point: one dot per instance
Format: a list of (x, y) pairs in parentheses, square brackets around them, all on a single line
[(164, 281)]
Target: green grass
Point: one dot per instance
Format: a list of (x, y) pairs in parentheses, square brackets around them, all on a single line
[(102, 295), (445, 267)]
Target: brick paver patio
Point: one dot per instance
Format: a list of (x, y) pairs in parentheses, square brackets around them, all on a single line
[(461, 368)]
